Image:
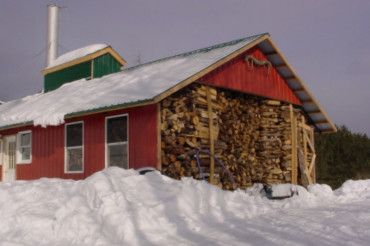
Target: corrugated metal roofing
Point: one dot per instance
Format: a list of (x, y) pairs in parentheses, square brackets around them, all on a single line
[(145, 84)]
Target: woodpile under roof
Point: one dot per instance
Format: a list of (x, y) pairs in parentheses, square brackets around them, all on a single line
[(251, 135)]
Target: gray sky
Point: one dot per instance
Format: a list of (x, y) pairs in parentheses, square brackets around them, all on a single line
[(326, 41)]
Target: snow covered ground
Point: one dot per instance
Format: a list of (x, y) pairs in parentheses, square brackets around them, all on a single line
[(121, 207)]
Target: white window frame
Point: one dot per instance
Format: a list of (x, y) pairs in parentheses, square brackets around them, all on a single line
[(74, 147), (112, 144), (19, 159), (1, 152)]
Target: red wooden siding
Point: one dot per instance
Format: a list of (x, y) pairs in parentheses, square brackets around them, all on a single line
[(236, 75), (48, 144), (143, 137)]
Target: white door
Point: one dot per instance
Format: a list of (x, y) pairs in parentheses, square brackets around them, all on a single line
[(9, 166)]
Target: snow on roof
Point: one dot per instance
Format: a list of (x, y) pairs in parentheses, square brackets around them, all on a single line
[(75, 54), (131, 85)]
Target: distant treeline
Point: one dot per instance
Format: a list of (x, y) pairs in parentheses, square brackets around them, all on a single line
[(341, 156)]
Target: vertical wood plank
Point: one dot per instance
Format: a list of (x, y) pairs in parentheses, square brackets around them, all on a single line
[(159, 137), (305, 176), (313, 162), (305, 150), (92, 70), (293, 122), (211, 136), (302, 156)]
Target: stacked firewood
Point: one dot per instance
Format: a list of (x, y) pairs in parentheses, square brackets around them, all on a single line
[(184, 130), (274, 145), (252, 136)]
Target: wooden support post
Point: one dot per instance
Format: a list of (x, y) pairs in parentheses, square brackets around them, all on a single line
[(306, 178), (159, 137), (293, 125), (92, 69), (308, 136), (313, 162), (304, 140), (211, 137), (309, 141), (312, 167), (301, 165)]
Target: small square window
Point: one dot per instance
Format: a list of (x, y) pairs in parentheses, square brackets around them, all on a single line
[(116, 147), (117, 129), (117, 155), (24, 149), (74, 148)]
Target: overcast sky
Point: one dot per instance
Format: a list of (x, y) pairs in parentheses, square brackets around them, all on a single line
[(326, 41)]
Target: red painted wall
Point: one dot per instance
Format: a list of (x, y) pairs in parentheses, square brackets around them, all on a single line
[(48, 144), (236, 75)]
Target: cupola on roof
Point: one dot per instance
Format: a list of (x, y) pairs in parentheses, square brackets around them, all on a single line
[(92, 61), (76, 54)]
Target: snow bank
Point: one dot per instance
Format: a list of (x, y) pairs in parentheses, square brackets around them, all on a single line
[(354, 190), (121, 207)]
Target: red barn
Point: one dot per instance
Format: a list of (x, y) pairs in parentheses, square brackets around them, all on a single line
[(93, 114)]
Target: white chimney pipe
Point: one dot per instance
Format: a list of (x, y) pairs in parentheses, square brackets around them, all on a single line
[(52, 34)]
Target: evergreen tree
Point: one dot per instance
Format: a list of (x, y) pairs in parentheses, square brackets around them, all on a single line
[(341, 156)]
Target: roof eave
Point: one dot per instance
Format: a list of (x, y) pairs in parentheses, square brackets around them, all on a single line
[(87, 112), (110, 108), (292, 79), (16, 125)]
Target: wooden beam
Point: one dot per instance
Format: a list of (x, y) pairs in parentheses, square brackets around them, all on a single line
[(313, 112), (309, 141), (280, 66), (211, 136), (290, 78), (159, 137), (324, 131), (293, 125), (305, 175), (306, 101), (312, 139), (313, 161), (323, 122), (305, 150), (312, 165), (305, 126), (92, 69), (273, 53)]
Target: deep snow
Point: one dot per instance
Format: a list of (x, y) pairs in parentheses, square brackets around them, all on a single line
[(121, 207)]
